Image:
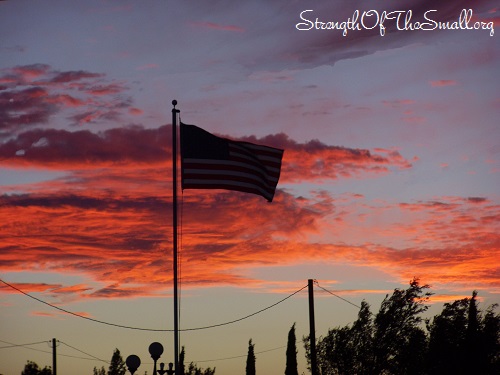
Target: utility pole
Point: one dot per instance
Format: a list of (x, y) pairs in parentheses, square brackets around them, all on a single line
[(54, 357), (312, 329)]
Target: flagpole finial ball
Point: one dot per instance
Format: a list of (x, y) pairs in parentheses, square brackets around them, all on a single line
[(174, 102)]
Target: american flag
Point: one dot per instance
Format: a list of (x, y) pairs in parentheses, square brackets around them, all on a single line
[(211, 162)]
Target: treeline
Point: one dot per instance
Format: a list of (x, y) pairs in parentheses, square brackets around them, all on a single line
[(399, 341), (118, 366)]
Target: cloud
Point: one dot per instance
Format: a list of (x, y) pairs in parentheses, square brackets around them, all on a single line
[(216, 26), (147, 67), (313, 48), (28, 287), (27, 73), (73, 76), (24, 107), (122, 237), (443, 82), (310, 161), (63, 149), (59, 314), (31, 95), (397, 103), (135, 111), (316, 161)]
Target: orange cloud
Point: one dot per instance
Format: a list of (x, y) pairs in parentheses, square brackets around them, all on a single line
[(28, 287), (58, 315), (124, 240)]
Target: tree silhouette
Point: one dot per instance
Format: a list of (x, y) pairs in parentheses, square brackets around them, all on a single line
[(396, 325), (31, 368), (472, 345), (117, 365), (181, 361), (250, 368), (291, 353), (393, 343), (193, 369), (361, 341), (462, 341), (100, 371), (447, 337), (459, 340), (491, 340)]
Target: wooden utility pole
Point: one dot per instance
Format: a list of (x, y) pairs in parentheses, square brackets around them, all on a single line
[(54, 357), (312, 329)]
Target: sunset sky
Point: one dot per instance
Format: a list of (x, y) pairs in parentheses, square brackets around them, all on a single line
[(391, 171)]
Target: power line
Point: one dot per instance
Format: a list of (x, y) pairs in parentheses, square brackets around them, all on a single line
[(92, 357), (18, 345), (248, 316), (81, 351), (240, 356), (335, 295), (25, 346), (78, 315), (150, 329)]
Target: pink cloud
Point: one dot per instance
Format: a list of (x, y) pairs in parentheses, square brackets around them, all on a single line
[(216, 26), (443, 82), (398, 103), (135, 111), (113, 88), (147, 67), (414, 119), (33, 94), (308, 161)]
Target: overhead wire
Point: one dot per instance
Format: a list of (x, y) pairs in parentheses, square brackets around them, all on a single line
[(92, 357), (81, 351), (25, 346), (336, 295), (250, 315), (240, 356), (152, 329), (20, 345)]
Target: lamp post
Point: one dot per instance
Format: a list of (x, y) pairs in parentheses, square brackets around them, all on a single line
[(156, 350), (133, 362)]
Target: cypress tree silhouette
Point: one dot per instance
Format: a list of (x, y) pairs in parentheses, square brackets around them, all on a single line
[(250, 369), (291, 353)]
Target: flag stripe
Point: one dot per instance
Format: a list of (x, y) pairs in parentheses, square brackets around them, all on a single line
[(210, 162), (198, 175), (198, 166), (228, 185)]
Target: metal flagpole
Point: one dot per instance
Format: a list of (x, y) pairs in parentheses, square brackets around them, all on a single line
[(174, 202)]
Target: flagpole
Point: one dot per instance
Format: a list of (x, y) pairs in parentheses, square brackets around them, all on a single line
[(175, 255)]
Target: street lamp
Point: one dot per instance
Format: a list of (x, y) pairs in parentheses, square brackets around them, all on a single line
[(156, 350), (133, 362)]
